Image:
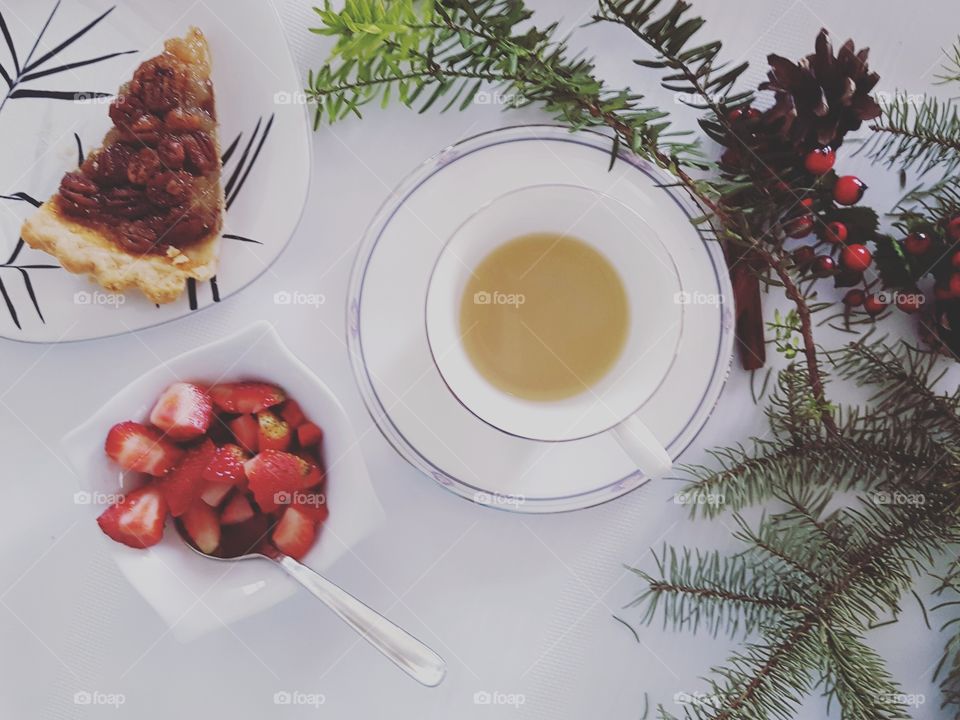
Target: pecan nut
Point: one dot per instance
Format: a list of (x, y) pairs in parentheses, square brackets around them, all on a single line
[(126, 202), (126, 109), (201, 153), (172, 153), (79, 193), (108, 167), (139, 237), (170, 188), (161, 83), (143, 166)]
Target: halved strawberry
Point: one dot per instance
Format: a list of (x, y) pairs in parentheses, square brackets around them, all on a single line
[(247, 432), (309, 435), (274, 475), (183, 411), (292, 413), (238, 510), (246, 397), (274, 433), (213, 493), (313, 504), (295, 533), (137, 447), (201, 524), (183, 485), (137, 520), (227, 466)]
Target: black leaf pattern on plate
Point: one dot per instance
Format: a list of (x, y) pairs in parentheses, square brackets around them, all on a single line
[(231, 189), (31, 70)]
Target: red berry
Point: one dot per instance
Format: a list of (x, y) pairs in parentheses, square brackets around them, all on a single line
[(820, 161), (874, 304), (848, 190), (910, 302), (753, 114), (917, 243), (953, 229), (854, 298), (735, 114), (730, 157), (824, 266), (955, 260), (799, 227), (807, 203), (835, 232), (955, 284), (942, 292), (856, 257), (803, 256)]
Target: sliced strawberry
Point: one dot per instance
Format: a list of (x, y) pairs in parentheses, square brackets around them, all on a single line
[(227, 466), (274, 475), (247, 432), (313, 504), (137, 520), (238, 510), (295, 533), (292, 413), (213, 493), (201, 524), (309, 435), (137, 447), (274, 433), (183, 485), (183, 411), (246, 397)]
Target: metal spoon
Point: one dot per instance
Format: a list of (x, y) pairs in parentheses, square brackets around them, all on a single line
[(403, 649)]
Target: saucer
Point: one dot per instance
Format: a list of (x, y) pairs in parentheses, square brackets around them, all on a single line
[(400, 384)]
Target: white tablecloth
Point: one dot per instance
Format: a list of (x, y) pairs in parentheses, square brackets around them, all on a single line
[(521, 607)]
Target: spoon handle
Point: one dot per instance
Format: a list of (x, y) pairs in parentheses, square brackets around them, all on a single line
[(402, 648)]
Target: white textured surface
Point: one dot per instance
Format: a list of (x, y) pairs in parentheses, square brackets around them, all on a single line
[(516, 604)]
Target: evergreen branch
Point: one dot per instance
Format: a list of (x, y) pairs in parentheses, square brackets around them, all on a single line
[(708, 589), (916, 136)]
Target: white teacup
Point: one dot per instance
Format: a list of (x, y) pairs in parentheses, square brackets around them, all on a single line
[(654, 295)]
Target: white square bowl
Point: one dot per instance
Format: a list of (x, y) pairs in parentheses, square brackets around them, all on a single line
[(192, 594)]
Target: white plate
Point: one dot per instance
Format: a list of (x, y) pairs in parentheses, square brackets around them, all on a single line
[(405, 393), (192, 594), (264, 133)]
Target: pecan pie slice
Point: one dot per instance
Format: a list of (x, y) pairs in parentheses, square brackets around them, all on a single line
[(145, 210)]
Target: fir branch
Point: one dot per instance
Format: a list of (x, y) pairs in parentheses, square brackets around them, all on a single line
[(913, 135)]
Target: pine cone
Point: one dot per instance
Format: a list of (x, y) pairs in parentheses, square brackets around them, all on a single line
[(822, 97)]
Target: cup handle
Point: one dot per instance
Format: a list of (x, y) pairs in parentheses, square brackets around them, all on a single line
[(642, 447)]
